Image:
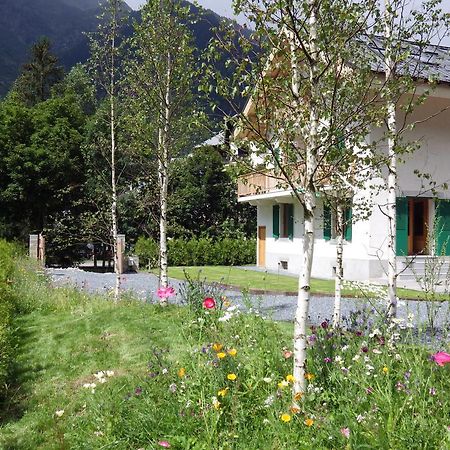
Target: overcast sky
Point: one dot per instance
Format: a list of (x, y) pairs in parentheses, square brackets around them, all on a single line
[(222, 7)]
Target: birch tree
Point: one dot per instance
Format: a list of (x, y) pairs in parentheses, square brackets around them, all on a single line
[(161, 79), (106, 61), (304, 99)]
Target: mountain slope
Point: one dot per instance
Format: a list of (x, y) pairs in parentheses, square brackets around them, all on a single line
[(23, 22)]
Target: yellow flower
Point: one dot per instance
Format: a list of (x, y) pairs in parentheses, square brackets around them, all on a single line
[(309, 422), (310, 376), (222, 392), (216, 403), (217, 347), (226, 304), (221, 355), (182, 372), (231, 376), (290, 378), (283, 384), (285, 417), (385, 370), (232, 352), (298, 396)]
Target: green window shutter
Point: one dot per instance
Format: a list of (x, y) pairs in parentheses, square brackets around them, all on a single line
[(402, 226), (290, 221), (326, 222), (276, 221), (442, 227), (348, 224)]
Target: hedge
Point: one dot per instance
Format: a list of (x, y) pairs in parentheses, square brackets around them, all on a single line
[(7, 310), (199, 252)]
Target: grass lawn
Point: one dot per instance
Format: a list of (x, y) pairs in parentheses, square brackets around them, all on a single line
[(91, 374), (251, 279)]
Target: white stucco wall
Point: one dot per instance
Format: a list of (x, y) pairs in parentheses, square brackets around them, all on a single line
[(365, 256)]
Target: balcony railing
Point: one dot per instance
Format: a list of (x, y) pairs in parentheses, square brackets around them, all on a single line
[(267, 182)]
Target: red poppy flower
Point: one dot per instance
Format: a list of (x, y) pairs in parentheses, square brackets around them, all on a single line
[(209, 303)]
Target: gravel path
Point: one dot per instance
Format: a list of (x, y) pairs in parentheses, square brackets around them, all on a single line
[(279, 307)]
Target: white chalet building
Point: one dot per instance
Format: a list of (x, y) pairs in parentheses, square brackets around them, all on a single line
[(280, 216)]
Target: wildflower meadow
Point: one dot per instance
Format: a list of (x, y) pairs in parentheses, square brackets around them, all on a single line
[(92, 374)]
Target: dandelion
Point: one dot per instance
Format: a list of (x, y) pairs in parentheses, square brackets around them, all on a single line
[(282, 384), (222, 392), (232, 352), (182, 372), (309, 422), (345, 432), (310, 376), (217, 347), (285, 417), (290, 378), (221, 355), (385, 370), (231, 376)]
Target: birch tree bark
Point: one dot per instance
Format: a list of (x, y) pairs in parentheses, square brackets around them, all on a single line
[(309, 205), (392, 162), (339, 265), (163, 161)]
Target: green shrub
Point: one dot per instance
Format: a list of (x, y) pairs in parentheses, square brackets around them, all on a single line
[(200, 252), (7, 308), (147, 250)]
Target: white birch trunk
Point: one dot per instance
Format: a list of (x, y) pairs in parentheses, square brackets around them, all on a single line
[(392, 167), (309, 206), (163, 143), (114, 228), (339, 265)]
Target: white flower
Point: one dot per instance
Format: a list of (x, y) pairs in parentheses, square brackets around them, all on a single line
[(356, 357), (267, 380), (226, 317), (345, 348), (98, 433), (110, 373), (269, 401), (164, 371), (59, 412), (232, 308), (359, 418), (376, 351), (102, 380), (369, 367), (375, 332), (339, 359), (89, 385)]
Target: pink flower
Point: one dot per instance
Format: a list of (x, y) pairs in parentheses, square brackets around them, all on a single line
[(209, 303), (164, 444), (167, 292), (345, 432), (441, 358)]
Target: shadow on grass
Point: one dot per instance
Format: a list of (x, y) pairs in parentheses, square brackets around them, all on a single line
[(15, 402)]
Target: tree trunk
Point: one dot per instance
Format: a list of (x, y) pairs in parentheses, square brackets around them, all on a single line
[(114, 231), (392, 166), (163, 143), (309, 206), (339, 265)]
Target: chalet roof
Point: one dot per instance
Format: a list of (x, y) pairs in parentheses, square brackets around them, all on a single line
[(424, 62)]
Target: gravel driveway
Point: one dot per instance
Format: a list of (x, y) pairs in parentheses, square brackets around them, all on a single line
[(279, 307)]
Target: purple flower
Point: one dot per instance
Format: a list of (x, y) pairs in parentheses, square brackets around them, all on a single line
[(324, 324), (432, 391), (138, 391), (369, 390), (359, 333), (327, 359), (364, 349), (407, 375), (173, 388), (312, 338)]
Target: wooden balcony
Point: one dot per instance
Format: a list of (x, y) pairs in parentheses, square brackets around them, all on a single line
[(260, 183), (267, 182)]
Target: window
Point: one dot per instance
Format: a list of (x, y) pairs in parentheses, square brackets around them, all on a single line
[(283, 221), (330, 224)]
